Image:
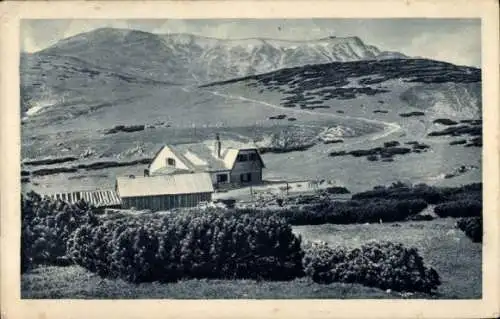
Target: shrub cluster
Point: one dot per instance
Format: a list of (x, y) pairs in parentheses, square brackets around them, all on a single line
[(384, 265), (472, 227), (459, 208), (430, 194), (348, 212), (46, 226), (204, 244)]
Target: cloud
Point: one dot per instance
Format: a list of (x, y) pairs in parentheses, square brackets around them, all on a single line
[(461, 46)]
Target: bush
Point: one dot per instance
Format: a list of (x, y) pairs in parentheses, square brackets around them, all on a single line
[(430, 194), (337, 190), (46, 227), (444, 121), (208, 244), (472, 227), (459, 208), (391, 144), (410, 114), (384, 265), (349, 212)]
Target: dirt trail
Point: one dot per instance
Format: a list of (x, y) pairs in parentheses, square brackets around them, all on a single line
[(390, 127)]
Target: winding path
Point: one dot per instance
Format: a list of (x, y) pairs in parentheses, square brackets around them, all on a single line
[(390, 127)]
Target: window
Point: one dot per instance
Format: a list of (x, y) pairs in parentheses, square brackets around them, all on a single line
[(170, 161), (221, 178), (253, 156), (242, 158), (245, 178)]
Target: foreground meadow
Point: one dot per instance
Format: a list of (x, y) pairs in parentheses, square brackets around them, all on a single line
[(456, 258)]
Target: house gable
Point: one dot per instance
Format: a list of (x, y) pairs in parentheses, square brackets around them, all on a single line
[(199, 158), (248, 153), (166, 157)]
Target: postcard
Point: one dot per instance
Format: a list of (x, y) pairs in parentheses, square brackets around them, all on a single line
[(250, 159)]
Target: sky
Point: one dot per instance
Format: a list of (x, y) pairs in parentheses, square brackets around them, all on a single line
[(452, 40)]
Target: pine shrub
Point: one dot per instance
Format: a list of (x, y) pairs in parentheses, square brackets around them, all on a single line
[(459, 208), (207, 244), (383, 265), (472, 227), (46, 226)]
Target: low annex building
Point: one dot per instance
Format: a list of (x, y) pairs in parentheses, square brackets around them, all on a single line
[(164, 192), (236, 166)]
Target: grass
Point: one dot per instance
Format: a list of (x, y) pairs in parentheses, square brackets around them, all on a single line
[(456, 258), (74, 282)]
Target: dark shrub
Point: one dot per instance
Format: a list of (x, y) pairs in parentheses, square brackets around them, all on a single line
[(50, 161), (445, 122), (420, 146), (459, 130), (279, 201), (476, 141), (472, 227), (337, 190), (333, 142), (360, 153), (396, 150), (410, 114), (372, 158), (205, 244), (419, 217), (46, 226), (339, 153), (459, 208), (364, 211), (430, 194), (384, 265), (123, 128), (391, 144), (411, 143), (228, 202), (458, 142)]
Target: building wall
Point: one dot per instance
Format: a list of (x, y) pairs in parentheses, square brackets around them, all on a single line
[(165, 202), (213, 176), (160, 160), (252, 167)]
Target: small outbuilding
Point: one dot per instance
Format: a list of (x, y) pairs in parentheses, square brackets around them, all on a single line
[(164, 192)]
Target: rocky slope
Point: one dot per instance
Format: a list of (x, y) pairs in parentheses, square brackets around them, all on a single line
[(379, 85)]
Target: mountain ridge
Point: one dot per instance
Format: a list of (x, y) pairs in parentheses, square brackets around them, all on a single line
[(193, 58), (116, 64)]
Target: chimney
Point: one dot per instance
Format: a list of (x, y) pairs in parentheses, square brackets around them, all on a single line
[(218, 146)]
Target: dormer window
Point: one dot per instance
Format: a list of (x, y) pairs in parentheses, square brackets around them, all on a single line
[(170, 161), (242, 158)]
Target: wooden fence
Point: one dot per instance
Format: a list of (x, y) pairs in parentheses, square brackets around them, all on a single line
[(97, 198)]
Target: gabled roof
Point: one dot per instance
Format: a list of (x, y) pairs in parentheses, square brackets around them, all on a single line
[(200, 157), (139, 186), (230, 157)]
